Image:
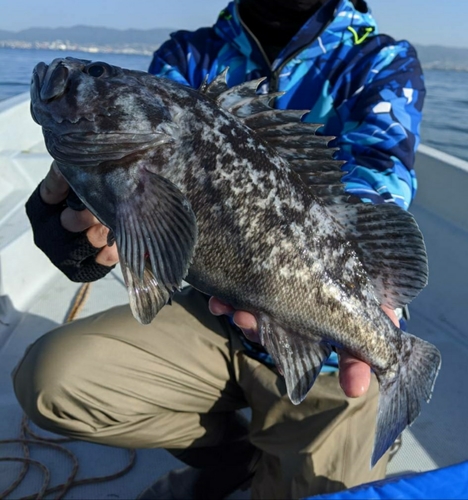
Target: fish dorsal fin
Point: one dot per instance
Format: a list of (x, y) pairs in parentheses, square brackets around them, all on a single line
[(216, 87), (283, 129), (390, 247), (238, 100)]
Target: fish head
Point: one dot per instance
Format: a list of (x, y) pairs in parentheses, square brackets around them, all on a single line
[(80, 103), (109, 129)]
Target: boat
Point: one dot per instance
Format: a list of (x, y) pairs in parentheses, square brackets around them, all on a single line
[(35, 297)]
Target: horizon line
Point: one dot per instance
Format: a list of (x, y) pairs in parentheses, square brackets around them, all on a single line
[(176, 29)]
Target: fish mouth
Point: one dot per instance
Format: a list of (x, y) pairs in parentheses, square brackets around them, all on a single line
[(39, 73), (50, 82)]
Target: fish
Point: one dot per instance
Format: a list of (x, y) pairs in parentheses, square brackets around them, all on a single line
[(245, 202)]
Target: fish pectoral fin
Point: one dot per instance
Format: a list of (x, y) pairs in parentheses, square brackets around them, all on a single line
[(147, 296), (156, 233), (401, 395), (298, 359)]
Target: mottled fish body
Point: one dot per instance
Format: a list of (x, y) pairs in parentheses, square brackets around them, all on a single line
[(246, 203)]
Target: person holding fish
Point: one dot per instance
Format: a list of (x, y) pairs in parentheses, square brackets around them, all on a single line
[(246, 341)]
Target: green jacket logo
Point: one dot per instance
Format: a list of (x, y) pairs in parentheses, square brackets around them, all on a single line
[(363, 33)]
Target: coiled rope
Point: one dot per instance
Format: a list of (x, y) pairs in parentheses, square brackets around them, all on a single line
[(28, 437)]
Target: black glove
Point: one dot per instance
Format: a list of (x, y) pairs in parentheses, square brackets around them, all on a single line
[(71, 252)]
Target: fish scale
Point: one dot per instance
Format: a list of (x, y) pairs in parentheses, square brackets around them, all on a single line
[(245, 202)]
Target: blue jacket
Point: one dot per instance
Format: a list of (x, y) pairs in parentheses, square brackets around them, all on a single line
[(367, 89)]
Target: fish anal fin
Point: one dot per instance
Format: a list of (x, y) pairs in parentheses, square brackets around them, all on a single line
[(298, 359), (156, 234)]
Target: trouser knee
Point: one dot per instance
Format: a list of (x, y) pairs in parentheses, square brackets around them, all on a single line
[(47, 385)]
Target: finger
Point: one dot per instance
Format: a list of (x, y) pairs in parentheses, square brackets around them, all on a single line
[(97, 235), (54, 188), (248, 324), (355, 375), (245, 320), (218, 308), (77, 221), (242, 319), (108, 256)]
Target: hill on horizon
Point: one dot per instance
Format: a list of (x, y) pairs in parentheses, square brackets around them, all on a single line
[(431, 56), (89, 35)]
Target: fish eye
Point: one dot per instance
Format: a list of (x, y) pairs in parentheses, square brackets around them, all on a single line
[(98, 69)]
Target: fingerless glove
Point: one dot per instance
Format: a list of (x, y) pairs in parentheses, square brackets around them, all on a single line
[(70, 252)]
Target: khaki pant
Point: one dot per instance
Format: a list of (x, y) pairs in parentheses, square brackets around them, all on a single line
[(176, 383)]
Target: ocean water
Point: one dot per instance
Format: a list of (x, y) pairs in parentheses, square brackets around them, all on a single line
[(444, 126), (16, 65), (445, 113)]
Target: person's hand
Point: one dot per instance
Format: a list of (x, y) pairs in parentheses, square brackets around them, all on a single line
[(74, 241), (354, 374), (53, 190)]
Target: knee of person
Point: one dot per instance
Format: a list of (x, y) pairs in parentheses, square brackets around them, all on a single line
[(48, 382)]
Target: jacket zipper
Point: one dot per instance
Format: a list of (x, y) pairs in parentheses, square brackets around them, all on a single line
[(275, 74), (273, 86), (255, 39)]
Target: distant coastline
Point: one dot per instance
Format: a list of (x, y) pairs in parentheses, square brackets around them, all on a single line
[(73, 47), (444, 67), (92, 39)]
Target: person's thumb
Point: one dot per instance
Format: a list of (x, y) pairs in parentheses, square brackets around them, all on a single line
[(54, 188)]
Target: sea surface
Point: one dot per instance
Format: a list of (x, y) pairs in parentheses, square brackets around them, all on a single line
[(16, 65), (444, 126)]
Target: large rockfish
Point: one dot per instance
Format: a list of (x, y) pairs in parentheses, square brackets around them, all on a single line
[(244, 202)]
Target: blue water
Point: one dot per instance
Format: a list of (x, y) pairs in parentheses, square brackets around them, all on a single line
[(445, 113), (16, 65), (445, 122)]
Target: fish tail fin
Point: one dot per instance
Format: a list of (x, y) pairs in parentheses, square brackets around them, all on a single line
[(400, 396)]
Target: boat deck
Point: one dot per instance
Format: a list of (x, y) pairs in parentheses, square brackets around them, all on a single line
[(35, 297)]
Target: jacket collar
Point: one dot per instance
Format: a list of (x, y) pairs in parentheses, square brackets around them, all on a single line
[(334, 22)]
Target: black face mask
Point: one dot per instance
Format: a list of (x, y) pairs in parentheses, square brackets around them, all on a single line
[(275, 22)]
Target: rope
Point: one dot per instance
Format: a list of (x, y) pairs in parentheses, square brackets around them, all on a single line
[(45, 471), (35, 439), (24, 469), (80, 299)]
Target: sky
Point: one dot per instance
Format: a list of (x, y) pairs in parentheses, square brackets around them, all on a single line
[(420, 21)]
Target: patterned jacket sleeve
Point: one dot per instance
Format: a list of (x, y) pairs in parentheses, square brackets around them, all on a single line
[(380, 128), (185, 57), (170, 61)]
